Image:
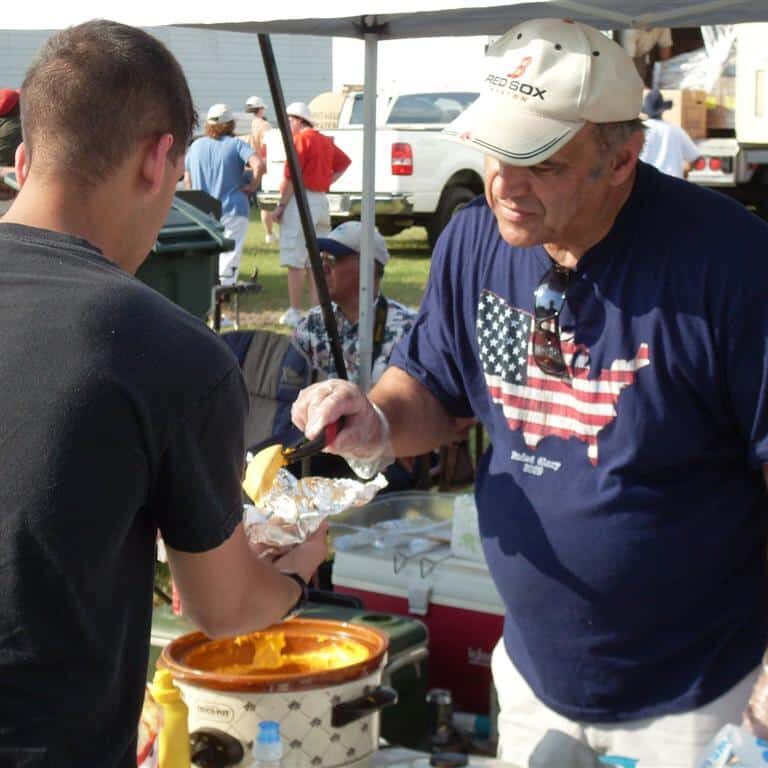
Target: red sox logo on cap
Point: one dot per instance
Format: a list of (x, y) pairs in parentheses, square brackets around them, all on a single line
[(521, 67)]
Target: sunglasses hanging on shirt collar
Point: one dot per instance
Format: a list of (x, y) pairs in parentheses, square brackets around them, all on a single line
[(549, 298)]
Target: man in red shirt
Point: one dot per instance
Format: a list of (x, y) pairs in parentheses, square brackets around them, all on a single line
[(322, 162)]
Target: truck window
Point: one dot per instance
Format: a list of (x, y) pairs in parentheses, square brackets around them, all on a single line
[(425, 108), (356, 116)]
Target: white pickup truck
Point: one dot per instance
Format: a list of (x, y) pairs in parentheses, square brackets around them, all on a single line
[(422, 177)]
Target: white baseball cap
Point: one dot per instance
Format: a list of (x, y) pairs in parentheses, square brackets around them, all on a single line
[(346, 239), (544, 80), (255, 102), (299, 109), (219, 113)]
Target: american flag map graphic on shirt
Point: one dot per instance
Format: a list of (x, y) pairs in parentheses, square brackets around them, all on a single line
[(542, 405)]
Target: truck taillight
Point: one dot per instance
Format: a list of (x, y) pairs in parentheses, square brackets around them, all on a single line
[(700, 164), (724, 164), (402, 159)]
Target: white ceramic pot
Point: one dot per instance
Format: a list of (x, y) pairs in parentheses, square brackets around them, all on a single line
[(327, 719)]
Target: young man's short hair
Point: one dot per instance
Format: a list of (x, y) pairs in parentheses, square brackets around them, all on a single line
[(94, 92)]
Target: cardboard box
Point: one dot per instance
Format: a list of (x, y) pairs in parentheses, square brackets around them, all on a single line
[(721, 104), (689, 111)]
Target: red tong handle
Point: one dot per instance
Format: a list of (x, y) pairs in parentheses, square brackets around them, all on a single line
[(331, 430)]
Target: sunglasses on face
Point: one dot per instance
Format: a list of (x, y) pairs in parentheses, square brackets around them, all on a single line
[(549, 298)]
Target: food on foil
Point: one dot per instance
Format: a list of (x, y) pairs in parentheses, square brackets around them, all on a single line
[(292, 509), (261, 471), (280, 450)]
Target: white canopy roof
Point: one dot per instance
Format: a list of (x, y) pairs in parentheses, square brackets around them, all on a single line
[(388, 18)]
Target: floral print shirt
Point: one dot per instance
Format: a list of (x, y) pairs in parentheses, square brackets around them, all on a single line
[(310, 336)]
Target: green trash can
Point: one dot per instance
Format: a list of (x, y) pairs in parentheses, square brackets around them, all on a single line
[(406, 672), (183, 264)]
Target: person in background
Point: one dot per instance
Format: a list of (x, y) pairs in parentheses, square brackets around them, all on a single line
[(321, 162), (259, 126), (667, 146), (122, 414), (646, 45), (607, 324), (340, 253), (214, 164), (10, 135)]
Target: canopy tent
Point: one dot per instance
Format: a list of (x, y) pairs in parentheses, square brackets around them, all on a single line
[(389, 19), (383, 20)]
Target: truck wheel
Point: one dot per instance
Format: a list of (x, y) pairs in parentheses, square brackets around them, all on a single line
[(452, 200)]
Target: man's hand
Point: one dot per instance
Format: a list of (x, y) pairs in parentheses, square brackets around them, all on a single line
[(277, 214), (306, 558), (364, 435)]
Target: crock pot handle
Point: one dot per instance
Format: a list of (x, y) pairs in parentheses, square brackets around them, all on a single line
[(349, 711)]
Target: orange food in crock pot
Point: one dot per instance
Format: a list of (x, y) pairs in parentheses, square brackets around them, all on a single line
[(274, 652)]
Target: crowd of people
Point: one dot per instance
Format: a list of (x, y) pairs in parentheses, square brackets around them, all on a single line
[(584, 310)]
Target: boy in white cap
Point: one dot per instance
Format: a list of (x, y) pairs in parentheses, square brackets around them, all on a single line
[(322, 162), (215, 164), (259, 126), (607, 324)]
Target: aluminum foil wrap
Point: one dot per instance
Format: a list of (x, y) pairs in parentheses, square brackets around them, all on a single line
[(294, 508)]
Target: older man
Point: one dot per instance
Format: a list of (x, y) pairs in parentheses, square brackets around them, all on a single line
[(612, 341), (340, 252), (121, 413)]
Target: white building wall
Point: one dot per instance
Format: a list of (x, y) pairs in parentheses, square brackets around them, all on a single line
[(429, 62), (220, 66)]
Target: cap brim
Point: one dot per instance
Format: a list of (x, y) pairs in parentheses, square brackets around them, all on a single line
[(335, 247), (517, 137)]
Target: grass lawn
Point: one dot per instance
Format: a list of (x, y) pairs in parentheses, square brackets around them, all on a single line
[(404, 279)]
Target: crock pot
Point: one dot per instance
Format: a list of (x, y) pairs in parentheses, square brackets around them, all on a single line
[(328, 717)]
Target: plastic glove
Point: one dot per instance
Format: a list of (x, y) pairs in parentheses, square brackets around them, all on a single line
[(363, 440)]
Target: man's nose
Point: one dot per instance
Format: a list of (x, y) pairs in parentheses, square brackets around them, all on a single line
[(515, 180)]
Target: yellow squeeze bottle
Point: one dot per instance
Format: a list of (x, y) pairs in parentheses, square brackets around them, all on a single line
[(174, 735)]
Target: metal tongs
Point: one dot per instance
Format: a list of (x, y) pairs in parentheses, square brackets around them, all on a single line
[(294, 444)]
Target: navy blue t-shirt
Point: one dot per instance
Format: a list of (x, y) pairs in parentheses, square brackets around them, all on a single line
[(623, 509)]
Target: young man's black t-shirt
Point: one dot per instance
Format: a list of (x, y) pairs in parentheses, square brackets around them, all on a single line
[(120, 414)]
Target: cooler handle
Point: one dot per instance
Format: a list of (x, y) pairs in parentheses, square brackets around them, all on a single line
[(349, 711)]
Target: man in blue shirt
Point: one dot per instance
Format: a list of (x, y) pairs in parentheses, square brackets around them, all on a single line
[(216, 164), (607, 325)]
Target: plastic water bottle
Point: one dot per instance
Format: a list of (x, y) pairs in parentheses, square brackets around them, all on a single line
[(267, 750)]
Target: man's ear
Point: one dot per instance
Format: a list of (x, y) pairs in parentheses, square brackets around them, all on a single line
[(625, 160), (20, 164), (153, 162)]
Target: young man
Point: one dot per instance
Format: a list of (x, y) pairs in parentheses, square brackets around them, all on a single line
[(259, 126), (322, 162), (667, 146), (215, 164), (613, 344), (121, 416)]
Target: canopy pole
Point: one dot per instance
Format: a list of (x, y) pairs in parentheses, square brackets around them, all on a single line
[(299, 191), (368, 211)]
